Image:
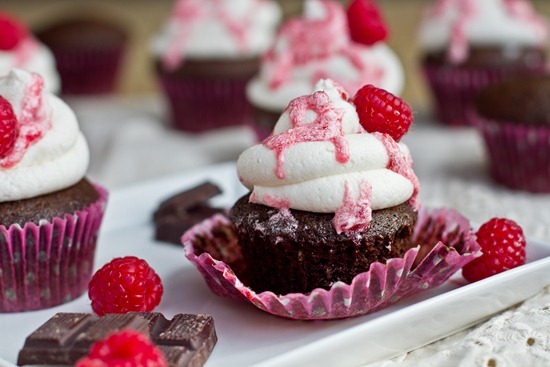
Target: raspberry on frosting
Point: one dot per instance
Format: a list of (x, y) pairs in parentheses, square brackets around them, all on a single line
[(366, 24), (8, 128), (12, 32)]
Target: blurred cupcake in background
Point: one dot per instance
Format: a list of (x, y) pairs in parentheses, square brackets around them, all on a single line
[(88, 53), (513, 117), (323, 43), (205, 55), (20, 49), (469, 44)]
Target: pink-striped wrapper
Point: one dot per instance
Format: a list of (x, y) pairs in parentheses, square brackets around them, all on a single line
[(85, 72), (454, 89), (51, 263), (200, 104), (446, 243), (518, 154)]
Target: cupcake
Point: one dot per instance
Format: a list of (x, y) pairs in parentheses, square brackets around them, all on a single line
[(467, 45), (20, 49), (88, 52), (318, 45), (206, 53), (332, 226), (50, 213), (513, 117)]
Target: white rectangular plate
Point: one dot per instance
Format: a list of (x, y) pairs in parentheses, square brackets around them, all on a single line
[(250, 337)]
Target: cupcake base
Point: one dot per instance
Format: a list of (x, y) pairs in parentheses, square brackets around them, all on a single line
[(518, 154), (446, 244), (454, 88), (46, 264), (208, 94)]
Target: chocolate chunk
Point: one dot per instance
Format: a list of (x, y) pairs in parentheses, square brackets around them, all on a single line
[(186, 340), (182, 211)]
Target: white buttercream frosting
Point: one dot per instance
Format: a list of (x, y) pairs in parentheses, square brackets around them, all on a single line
[(481, 22), (32, 55), (317, 45), (301, 167), (50, 152), (217, 29)]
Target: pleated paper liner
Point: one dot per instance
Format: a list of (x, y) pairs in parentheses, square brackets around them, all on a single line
[(446, 244), (47, 264)]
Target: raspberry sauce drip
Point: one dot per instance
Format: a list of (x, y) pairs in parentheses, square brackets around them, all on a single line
[(355, 214), (326, 126)]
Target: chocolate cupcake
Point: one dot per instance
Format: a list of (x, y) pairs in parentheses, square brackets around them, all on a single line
[(318, 44), (274, 241), (514, 119), (468, 45), (50, 213), (205, 55), (88, 52), (332, 226)]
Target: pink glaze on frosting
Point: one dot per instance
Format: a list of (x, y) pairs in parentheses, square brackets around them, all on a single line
[(276, 202), (354, 215), (468, 10), (327, 126), (187, 13), (24, 51), (309, 40), (33, 121), (400, 164)]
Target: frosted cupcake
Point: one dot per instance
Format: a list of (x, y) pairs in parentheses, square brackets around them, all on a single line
[(318, 45), (332, 224), (469, 44), (206, 53), (50, 213), (20, 49)]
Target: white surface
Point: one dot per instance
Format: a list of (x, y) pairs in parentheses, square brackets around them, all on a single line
[(248, 336), (130, 143)]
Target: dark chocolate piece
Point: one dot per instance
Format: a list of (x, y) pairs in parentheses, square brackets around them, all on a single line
[(186, 340), (182, 211)]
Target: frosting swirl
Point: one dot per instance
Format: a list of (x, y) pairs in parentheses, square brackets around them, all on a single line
[(456, 24), (50, 152), (320, 159), (316, 46), (216, 28)]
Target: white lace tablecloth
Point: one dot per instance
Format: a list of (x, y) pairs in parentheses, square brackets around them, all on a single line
[(130, 142)]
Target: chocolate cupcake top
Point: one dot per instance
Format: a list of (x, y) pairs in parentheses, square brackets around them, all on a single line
[(42, 149), (456, 25), (524, 100), (321, 158), (82, 33), (20, 49)]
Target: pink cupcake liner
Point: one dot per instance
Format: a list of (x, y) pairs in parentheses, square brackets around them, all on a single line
[(518, 154), (455, 89), (199, 105), (86, 72), (448, 241), (51, 263)]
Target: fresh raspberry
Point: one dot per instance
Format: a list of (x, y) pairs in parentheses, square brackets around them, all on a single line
[(365, 21), (8, 128), (125, 284), (11, 32), (123, 349), (503, 247), (381, 111)]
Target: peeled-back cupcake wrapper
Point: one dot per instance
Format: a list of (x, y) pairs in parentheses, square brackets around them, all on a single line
[(198, 105), (88, 71), (518, 154), (51, 263), (444, 236), (454, 90)]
